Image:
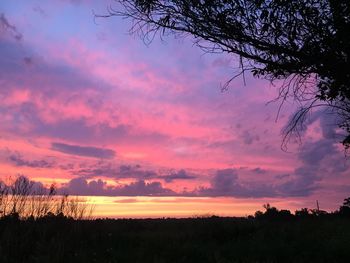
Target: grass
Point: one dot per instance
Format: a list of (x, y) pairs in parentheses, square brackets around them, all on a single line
[(215, 239)]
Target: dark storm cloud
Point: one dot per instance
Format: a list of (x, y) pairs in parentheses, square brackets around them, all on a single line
[(83, 150)]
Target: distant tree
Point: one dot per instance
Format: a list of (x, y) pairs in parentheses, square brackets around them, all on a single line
[(272, 213), (285, 214), (306, 43), (345, 208), (258, 214), (318, 212), (304, 212), (347, 202)]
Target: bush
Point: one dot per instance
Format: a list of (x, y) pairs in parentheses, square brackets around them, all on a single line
[(25, 199)]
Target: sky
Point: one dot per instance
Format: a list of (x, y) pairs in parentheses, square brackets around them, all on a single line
[(93, 109)]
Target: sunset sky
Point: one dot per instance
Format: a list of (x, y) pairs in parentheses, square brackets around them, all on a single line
[(93, 109)]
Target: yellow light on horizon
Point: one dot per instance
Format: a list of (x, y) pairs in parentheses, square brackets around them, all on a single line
[(158, 207)]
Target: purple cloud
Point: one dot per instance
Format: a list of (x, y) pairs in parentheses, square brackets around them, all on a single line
[(226, 183), (6, 27), (248, 138), (83, 150), (320, 159), (80, 186), (258, 170), (179, 175), (135, 171), (107, 169), (18, 160)]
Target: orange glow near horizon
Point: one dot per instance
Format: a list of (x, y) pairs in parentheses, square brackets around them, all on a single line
[(179, 207)]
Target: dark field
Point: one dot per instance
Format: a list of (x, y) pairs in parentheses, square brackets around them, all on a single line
[(214, 239)]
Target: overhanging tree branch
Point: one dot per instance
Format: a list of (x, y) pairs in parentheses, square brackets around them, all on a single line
[(306, 43)]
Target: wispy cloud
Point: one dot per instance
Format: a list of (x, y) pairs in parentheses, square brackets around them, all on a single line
[(6, 27), (18, 160), (179, 175)]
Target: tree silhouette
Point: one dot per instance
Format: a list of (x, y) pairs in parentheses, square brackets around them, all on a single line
[(305, 43), (272, 213), (22, 198), (304, 212), (345, 208)]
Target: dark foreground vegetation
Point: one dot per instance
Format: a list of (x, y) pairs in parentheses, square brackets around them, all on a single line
[(214, 239), (44, 228)]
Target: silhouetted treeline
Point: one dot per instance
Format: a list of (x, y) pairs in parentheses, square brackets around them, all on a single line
[(272, 213), (44, 228)]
